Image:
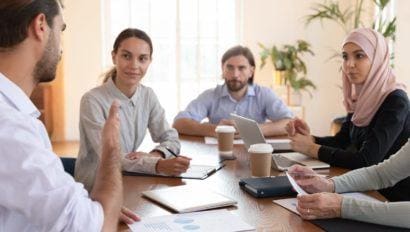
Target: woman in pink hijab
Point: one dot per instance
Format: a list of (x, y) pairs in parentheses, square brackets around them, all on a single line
[(377, 124)]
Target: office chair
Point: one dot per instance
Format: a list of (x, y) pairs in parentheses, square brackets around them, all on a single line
[(336, 125), (69, 165)]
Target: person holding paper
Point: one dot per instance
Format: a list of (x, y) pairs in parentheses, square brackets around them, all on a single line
[(378, 120), (140, 110), (237, 95), (325, 202)]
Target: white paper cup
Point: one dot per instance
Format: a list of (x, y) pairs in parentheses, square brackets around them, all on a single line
[(260, 159), (225, 135)]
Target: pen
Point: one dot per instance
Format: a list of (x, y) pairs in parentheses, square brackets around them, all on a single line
[(171, 151)]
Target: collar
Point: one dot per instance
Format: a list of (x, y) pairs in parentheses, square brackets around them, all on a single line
[(250, 92), (118, 94), (17, 98)]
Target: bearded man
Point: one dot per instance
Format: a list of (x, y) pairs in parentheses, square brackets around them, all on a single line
[(237, 95)]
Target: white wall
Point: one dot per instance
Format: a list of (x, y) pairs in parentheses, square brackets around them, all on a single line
[(279, 22), (402, 50), (82, 57)]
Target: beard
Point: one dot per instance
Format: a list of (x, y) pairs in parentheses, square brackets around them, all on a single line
[(46, 68), (235, 86)]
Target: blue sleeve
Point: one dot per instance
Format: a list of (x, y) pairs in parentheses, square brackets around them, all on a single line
[(199, 108), (275, 108)]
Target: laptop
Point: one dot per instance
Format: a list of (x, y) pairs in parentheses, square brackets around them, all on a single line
[(252, 134)]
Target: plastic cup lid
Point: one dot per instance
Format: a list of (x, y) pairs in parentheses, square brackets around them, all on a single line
[(260, 148), (225, 129)]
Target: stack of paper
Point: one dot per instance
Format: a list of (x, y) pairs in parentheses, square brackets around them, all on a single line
[(215, 220)]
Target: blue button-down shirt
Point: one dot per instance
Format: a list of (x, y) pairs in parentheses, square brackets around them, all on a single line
[(259, 103)]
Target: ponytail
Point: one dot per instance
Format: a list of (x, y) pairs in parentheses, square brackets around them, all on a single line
[(112, 73)]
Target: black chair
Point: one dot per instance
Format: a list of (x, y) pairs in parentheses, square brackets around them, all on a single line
[(69, 165), (336, 125)]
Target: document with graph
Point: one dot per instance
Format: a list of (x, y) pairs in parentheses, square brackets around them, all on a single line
[(214, 220)]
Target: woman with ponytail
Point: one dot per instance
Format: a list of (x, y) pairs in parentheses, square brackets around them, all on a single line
[(139, 110)]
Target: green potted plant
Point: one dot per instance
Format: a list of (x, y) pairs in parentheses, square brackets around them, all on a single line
[(289, 65), (351, 17)]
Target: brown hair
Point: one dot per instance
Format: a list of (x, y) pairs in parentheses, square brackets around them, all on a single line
[(240, 50), (16, 16), (125, 34)]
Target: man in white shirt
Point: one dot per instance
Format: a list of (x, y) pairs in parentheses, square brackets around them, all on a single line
[(36, 194)]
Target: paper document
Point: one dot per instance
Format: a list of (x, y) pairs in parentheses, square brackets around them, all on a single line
[(283, 142), (295, 185), (291, 203), (215, 220), (212, 140)]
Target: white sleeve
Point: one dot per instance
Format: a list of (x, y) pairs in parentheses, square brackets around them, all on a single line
[(382, 175), (37, 186), (384, 213)]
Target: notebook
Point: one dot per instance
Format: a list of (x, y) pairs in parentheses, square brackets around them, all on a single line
[(201, 167), (188, 198), (273, 186), (195, 171)]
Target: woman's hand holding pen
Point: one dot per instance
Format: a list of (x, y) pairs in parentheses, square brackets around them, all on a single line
[(174, 166)]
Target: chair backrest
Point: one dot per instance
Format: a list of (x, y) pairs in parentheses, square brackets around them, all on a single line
[(69, 165), (336, 125)]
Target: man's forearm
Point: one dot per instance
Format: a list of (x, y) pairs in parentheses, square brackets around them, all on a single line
[(191, 127), (108, 188), (274, 128)]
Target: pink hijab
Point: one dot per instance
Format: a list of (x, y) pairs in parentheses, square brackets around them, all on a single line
[(378, 85)]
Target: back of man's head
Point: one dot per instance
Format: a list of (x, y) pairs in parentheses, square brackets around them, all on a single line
[(16, 16)]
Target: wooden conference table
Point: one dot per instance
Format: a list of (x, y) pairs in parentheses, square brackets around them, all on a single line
[(260, 213)]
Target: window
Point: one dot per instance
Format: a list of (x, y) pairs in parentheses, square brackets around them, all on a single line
[(189, 38)]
